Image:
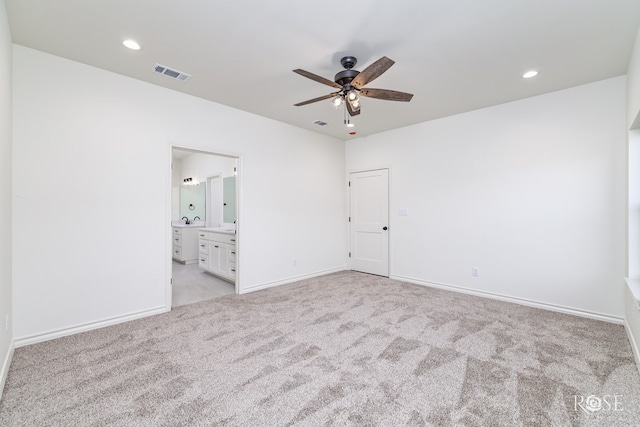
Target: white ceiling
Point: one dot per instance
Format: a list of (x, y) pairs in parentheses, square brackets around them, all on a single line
[(453, 55)]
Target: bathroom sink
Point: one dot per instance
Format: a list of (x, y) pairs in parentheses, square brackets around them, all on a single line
[(187, 225)]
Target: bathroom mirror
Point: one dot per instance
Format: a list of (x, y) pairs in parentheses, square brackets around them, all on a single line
[(192, 201), (229, 199)]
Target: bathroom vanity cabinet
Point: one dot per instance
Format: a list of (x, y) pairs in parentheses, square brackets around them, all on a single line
[(217, 252), (185, 244)]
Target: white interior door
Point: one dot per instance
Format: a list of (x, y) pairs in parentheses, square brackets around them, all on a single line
[(369, 221)]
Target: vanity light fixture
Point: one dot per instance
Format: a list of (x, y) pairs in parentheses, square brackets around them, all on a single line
[(190, 181), (131, 44)]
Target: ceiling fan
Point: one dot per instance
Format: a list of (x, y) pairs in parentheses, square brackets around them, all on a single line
[(351, 84)]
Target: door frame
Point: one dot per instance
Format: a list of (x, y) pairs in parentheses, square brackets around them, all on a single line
[(167, 229), (348, 204)]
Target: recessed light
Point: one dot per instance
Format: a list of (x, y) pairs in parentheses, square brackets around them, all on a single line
[(529, 74), (131, 44), (350, 125)]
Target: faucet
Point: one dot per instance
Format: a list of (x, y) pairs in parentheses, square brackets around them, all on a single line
[(197, 217), (186, 220)]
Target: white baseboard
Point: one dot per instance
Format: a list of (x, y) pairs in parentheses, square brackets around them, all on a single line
[(291, 280), (5, 367), (46, 336), (515, 300)]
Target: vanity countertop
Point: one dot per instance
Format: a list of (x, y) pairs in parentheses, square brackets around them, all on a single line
[(183, 225), (218, 230)]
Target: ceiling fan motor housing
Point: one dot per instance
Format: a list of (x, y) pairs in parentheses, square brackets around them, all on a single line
[(345, 76)]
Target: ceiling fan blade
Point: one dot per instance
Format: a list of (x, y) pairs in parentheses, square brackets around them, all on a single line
[(386, 94), (351, 110), (372, 72), (317, 78), (320, 98)]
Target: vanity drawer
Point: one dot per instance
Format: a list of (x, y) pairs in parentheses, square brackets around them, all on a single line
[(218, 237), (177, 252), (177, 240), (203, 247), (176, 230), (232, 253), (203, 260)]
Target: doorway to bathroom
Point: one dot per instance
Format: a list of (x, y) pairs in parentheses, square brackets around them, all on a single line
[(204, 226)]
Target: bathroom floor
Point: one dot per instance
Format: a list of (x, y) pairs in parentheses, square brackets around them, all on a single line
[(191, 285)]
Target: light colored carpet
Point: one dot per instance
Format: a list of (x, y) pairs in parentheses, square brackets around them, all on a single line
[(342, 349)]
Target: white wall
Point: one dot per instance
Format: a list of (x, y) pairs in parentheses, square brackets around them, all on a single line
[(633, 123), (532, 192), (634, 206), (632, 317), (5, 193), (198, 166), (201, 166), (92, 193), (633, 85)]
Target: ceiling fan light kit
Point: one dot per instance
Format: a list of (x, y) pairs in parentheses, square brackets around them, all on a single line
[(350, 84)]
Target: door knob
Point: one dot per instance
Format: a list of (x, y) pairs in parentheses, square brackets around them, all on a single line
[(384, 228)]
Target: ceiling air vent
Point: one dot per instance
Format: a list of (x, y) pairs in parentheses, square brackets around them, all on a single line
[(174, 74), (320, 123)]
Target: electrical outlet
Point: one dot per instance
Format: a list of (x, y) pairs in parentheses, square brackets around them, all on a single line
[(475, 271)]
